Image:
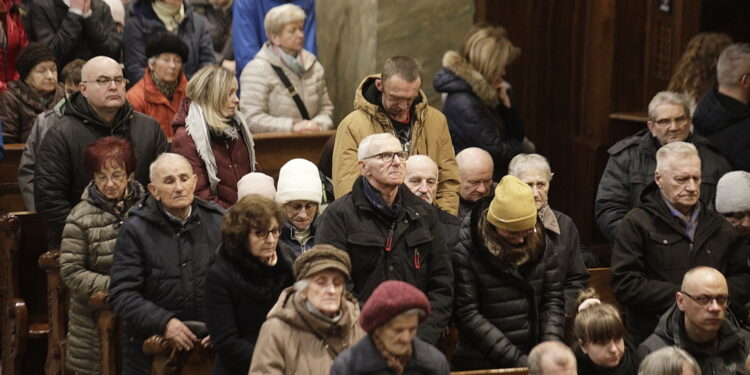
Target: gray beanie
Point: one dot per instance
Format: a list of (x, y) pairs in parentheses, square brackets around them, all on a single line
[(733, 192)]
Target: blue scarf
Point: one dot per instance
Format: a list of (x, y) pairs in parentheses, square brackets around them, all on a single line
[(377, 202)]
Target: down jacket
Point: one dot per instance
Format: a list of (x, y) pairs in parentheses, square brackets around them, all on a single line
[(364, 359), (630, 168), (15, 40), (726, 122), (85, 260), (429, 136), (145, 98), (159, 273), (502, 311), (266, 101), (19, 106)]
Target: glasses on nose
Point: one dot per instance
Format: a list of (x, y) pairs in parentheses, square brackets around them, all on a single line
[(388, 156), (105, 81), (263, 234), (679, 121), (102, 179), (722, 300), (297, 207), (523, 234)]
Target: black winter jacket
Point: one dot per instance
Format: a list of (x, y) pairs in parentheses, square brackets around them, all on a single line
[(71, 36), (726, 122), (418, 254), (630, 168), (502, 311), (59, 176), (240, 292), (159, 271), (364, 359), (451, 226), (652, 254), (727, 358), (628, 363), (563, 236)]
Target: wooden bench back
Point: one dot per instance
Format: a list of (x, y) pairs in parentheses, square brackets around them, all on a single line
[(503, 371)]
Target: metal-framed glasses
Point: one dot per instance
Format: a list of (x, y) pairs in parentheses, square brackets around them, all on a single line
[(263, 234), (105, 81), (522, 234), (388, 156), (703, 300), (117, 178), (296, 207)]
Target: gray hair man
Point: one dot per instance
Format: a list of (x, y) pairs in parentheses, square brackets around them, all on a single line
[(552, 358), (475, 168)]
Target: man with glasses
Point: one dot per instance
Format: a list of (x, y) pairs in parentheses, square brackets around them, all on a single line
[(389, 233), (98, 110), (631, 161), (392, 102), (700, 324), (669, 232)]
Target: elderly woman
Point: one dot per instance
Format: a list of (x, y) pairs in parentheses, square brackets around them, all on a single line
[(669, 360), (284, 86), (390, 317), (299, 192), (89, 238), (160, 91), (313, 321), (733, 200), (534, 170), (251, 270), (36, 91), (478, 105), (212, 134)]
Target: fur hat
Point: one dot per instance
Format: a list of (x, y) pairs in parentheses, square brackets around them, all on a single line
[(389, 299), (29, 57), (733, 192), (513, 207), (299, 180), (167, 43), (256, 183), (321, 258)]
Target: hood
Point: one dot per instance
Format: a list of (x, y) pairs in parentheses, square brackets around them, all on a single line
[(367, 98), (269, 54), (717, 111), (28, 97), (78, 107), (459, 75), (671, 329)]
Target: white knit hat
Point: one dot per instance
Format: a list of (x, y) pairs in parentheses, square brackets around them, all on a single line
[(256, 183), (733, 192), (299, 180)]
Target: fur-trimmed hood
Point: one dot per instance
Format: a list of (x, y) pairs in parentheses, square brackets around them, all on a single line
[(459, 75)]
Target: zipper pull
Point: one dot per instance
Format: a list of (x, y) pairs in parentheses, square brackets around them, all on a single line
[(417, 261), (389, 241)]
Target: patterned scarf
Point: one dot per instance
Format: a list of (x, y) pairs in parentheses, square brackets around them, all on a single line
[(395, 361), (377, 202), (167, 89)]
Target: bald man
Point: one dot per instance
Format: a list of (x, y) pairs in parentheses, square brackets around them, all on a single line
[(422, 180), (700, 323), (552, 358), (475, 168), (100, 109)]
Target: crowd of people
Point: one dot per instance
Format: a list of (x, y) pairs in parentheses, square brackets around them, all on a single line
[(417, 219)]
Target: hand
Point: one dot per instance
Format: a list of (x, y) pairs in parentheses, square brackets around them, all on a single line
[(230, 65), (305, 126), (206, 342), (502, 93), (179, 335)]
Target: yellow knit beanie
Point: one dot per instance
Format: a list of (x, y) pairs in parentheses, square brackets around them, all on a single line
[(513, 207)]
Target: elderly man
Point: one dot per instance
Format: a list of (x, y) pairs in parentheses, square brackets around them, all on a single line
[(668, 233), (98, 110), (392, 102), (421, 179), (723, 115), (699, 323), (475, 167), (389, 233), (552, 358), (631, 162), (163, 253)]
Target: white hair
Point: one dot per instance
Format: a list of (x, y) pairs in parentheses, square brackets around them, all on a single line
[(668, 360), (364, 147), (280, 16), (162, 158), (667, 97), (523, 162), (556, 352), (734, 61), (673, 150)]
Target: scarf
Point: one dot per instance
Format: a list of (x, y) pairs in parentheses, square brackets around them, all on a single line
[(377, 202), (170, 15), (133, 192), (167, 89), (394, 361), (294, 63)]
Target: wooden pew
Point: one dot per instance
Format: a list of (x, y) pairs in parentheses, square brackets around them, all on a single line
[(169, 361), (109, 333), (601, 281), (10, 193), (58, 299), (504, 371)]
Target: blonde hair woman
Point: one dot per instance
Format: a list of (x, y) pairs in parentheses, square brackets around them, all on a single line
[(212, 134)]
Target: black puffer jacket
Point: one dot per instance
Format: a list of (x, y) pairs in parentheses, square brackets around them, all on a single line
[(726, 122), (418, 254), (59, 176), (451, 227), (630, 168), (652, 254), (563, 236), (502, 311), (159, 271)]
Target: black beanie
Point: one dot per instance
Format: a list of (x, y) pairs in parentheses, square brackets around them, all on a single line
[(32, 55), (167, 43)]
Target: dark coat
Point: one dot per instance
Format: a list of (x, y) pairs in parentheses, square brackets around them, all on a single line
[(240, 292), (19, 106), (563, 235), (418, 254), (652, 254), (503, 311), (727, 358), (59, 177), (451, 226), (287, 239), (219, 23), (726, 122), (628, 364), (159, 271), (71, 36), (364, 359), (630, 168), (143, 24)]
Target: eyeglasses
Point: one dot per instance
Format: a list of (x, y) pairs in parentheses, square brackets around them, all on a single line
[(297, 207), (105, 81), (263, 234), (388, 156), (703, 300), (102, 179), (523, 234), (679, 121)]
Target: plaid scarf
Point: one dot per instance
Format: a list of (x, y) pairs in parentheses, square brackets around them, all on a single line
[(394, 361)]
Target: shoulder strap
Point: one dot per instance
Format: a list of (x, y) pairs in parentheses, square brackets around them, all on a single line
[(292, 92)]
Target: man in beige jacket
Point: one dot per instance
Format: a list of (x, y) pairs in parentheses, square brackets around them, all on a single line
[(392, 102)]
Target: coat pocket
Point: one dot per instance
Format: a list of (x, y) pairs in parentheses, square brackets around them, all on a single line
[(672, 251)]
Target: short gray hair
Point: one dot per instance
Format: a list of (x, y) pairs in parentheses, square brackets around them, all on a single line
[(301, 285), (554, 351), (280, 16), (523, 162), (672, 150), (363, 150), (668, 360), (667, 97), (733, 62), (164, 157), (405, 67)]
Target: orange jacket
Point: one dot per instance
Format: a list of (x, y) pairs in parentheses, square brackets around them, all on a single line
[(144, 97)]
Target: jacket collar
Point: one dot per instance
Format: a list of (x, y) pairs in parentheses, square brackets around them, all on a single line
[(369, 360), (369, 105), (153, 95), (29, 97), (549, 221), (78, 107), (411, 205), (269, 54), (150, 210), (671, 328), (463, 69)]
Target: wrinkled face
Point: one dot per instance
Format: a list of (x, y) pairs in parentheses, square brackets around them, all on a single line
[(383, 174), (291, 38), (680, 184), (262, 243), (398, 334), (671, 123), (740, 221), (422, 179), (325, 291), (539, 183), (167, 67), (111, 180), (698, 300), (103, 95), (398, 95), (605, 354), (174, 185), (232, 100), (476, 182), (301, 213), (43, 78)]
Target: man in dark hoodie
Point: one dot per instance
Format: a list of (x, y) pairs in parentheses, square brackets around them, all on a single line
[(700, 324), (723, 115)]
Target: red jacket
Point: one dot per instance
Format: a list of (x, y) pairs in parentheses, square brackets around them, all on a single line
[(17, 40), (144, 97)]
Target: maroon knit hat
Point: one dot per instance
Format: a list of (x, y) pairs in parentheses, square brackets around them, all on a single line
[(389, 299)]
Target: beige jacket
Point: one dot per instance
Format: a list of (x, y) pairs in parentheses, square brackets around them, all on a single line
[(266, 101), (293, 340), (429, 137)]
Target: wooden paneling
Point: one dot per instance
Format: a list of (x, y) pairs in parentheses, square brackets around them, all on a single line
[(10, 195)]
